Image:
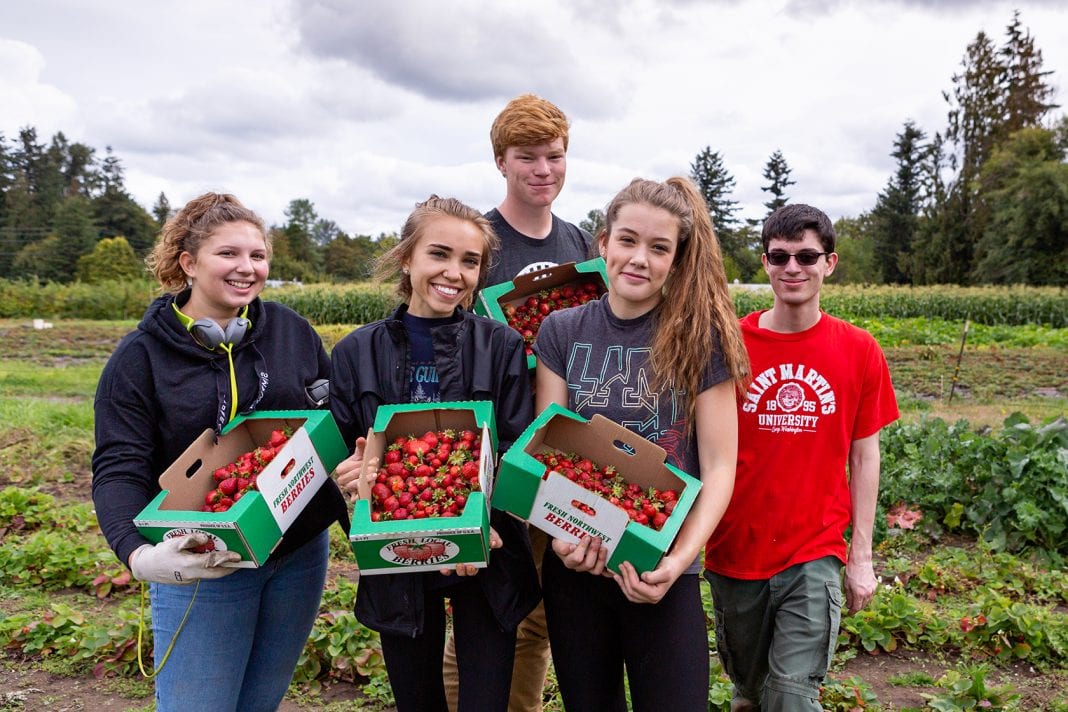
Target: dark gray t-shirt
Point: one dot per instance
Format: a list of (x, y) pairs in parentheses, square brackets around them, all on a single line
[(520, 254), (604, 360)]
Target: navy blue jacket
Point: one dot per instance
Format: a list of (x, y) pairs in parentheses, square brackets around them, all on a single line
[(476, 359), (161, 389)]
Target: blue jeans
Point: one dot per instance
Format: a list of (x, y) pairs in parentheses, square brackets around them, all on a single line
[(239, 646)]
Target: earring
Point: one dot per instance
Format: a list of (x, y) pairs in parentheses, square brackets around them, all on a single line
[(404, 270)]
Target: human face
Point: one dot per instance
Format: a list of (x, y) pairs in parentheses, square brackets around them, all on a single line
[(228, 271), (794, 285), (444, 266), (535, 174), (639, 253)]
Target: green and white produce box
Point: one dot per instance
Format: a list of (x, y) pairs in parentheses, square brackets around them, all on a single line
[(410, 545), (492, 300), (254, 525), (549, 501)]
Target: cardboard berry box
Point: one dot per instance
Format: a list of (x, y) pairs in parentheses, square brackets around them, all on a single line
[(492, 300), (565, 510), (254, 525), (433, 543)]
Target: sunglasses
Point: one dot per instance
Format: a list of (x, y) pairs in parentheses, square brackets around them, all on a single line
[(805, 258)]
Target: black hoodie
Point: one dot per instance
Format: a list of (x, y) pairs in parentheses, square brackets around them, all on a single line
[(161, 389)]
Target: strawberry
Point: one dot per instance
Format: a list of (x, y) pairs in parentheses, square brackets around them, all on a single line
[(651, 507), (380, 492), (426, 476)]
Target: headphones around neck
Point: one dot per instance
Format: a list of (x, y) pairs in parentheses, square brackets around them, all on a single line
[(210, 335)]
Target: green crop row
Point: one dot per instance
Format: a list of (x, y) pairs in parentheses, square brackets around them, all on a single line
[(364, 302), (1008, 306)]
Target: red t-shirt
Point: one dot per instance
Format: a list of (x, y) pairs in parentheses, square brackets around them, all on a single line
[(813, 393)]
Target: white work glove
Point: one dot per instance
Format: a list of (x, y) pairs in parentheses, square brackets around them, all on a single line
[(171, 561)]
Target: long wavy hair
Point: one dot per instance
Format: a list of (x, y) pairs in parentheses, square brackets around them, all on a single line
[(187, 231), (695, 300)]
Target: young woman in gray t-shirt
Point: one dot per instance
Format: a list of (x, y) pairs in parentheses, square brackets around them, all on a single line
[(661, 354)]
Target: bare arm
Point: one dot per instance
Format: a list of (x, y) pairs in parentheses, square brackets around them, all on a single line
[(717, 443), (860, 581), (548, 388)]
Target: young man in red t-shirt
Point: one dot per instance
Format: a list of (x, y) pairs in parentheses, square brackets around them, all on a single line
[(820, 394)]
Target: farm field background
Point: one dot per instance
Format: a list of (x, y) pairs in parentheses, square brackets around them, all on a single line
[(974, 607)]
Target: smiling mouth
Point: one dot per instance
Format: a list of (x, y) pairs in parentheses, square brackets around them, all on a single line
[(238, 285), (446, 291)]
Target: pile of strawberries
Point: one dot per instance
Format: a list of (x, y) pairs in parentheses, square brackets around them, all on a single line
[(650, 507), (428, 476), (527, 317), (239, 477)]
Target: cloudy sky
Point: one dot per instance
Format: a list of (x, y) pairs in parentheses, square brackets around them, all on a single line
[(367, 106)]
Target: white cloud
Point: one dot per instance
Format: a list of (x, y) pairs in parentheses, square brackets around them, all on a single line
[(27, 100)]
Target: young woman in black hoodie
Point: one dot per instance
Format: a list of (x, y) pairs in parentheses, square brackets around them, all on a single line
[(442, 257), (205, 351)]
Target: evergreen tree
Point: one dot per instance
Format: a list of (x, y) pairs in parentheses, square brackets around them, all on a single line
[(858, 262), (349, 259), (323, 231), (716, 185), (111, 172), (117, 213), (79, 174), (75, 227), (1025, 184), (6, 180), (778, 172), (1027, 94), (162, 211), (297, 233), (893, 221)]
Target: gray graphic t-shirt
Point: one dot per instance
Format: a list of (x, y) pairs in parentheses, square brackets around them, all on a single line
[(520, 254), (604, 360)]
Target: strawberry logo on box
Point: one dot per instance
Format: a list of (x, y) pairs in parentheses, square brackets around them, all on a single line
[(214, 543), (417, 551)]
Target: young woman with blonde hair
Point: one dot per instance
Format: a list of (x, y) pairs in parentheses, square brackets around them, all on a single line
[(431, 348)]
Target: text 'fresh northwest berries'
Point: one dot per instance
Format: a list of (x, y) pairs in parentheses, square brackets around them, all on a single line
[(649, 507)]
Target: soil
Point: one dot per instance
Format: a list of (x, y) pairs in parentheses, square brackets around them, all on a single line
[(24, 686)]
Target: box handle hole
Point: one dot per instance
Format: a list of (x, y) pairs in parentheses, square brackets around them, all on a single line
[(193, 469), (287, 468), (620, 445), (584, 508)]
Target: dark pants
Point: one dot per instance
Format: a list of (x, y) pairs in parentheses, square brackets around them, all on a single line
[(484, 654), (595, 632), (776, 636)]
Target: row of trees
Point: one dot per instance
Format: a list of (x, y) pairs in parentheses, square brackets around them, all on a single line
[(65, 214), (984, 201)]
